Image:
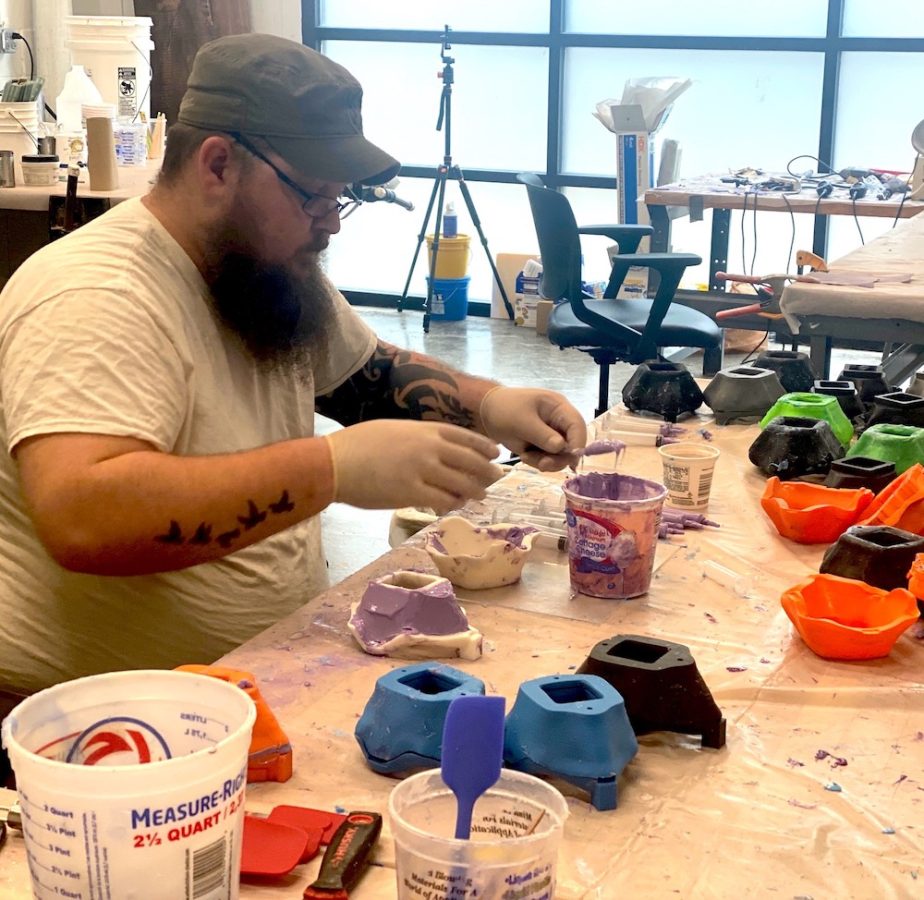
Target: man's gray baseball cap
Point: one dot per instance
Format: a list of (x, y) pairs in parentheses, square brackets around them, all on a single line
[(304, 105)]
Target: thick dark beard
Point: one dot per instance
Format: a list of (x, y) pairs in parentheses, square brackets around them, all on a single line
[(282, 318)]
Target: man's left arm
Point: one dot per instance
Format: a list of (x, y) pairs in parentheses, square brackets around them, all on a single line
[(541, 426)]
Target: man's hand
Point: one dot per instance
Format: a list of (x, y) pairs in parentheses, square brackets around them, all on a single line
[(384, 464), (540, 426)]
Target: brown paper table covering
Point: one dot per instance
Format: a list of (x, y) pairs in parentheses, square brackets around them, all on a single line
[(756, 819)]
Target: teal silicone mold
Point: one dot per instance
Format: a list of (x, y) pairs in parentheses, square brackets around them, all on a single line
[(900, 444), (812, 406)]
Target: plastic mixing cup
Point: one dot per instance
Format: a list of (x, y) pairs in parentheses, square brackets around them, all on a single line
[(516, 829), (688, 470), (613, 524), (132, 785)]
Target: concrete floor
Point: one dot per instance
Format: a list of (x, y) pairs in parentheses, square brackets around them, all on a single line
[(491, 348)]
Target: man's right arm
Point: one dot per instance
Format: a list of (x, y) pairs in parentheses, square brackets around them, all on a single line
[(117, 506), (112, 505)]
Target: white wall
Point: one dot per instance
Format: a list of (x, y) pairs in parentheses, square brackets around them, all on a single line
[(16, 14), (282, 17), (41, 22)]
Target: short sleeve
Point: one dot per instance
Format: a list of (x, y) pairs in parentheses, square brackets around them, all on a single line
[(351, 343), (91, 362)]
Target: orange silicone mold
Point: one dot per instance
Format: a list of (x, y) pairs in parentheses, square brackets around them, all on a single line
[(811, 513), (839, 618), (901, 503), (916, 576)]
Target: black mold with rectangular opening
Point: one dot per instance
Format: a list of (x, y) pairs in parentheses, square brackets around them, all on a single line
[(429, 682), (637, 651), (572, 691), (887, 539), (660, 685)]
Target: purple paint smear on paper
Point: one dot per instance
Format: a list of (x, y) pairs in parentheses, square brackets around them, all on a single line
[(836, 761)]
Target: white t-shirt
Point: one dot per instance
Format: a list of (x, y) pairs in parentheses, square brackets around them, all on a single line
[(110, 331)]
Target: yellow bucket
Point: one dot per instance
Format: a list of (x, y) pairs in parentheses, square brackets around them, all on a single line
[(451, 256)]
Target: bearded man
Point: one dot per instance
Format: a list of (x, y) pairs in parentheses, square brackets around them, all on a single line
[(160, 371)]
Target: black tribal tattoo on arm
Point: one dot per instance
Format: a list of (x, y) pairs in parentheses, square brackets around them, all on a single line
[(397, 384)]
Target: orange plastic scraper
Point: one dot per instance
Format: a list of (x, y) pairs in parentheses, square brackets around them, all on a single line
[(270, 757), (346, 857)]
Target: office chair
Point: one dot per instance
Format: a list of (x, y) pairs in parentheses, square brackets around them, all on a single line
[(613, 330)]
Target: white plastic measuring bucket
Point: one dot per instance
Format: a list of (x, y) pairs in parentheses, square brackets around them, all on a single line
[(132, 785), (116, 52)]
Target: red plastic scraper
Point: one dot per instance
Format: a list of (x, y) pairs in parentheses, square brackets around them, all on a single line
[(270, 849), (308, 819), (346, 856)]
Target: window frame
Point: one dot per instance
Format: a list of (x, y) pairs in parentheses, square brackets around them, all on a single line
[(832, 45)]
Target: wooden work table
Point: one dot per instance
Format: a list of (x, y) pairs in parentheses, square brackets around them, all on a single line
[(891, 312), (693, 196), (759, 818)]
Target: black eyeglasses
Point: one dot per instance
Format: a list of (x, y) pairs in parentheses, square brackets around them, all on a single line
[(315, 205)]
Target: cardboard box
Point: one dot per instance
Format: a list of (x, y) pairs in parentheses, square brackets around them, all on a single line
[(509, 265), (526, 300), (543, 311), (635, 284)]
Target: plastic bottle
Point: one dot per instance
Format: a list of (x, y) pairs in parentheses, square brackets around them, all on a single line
[(450, 221), (78, 89)]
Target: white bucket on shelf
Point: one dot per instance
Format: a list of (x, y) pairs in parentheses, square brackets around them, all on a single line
[(19, 131), (116, 52)]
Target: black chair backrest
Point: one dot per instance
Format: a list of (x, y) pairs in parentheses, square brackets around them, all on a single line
[(559, 241)]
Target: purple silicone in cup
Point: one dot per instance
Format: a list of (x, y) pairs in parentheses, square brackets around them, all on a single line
[(612, 533)]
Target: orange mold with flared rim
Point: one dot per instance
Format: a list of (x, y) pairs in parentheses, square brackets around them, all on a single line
[(839, 618), (900, 503), (811, 513)]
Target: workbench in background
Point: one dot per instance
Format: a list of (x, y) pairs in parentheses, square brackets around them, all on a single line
[(693, 196)]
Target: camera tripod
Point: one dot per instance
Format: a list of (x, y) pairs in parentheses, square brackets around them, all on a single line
[(447, 170)]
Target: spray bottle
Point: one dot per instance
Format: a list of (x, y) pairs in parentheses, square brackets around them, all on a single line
[(450, 221)]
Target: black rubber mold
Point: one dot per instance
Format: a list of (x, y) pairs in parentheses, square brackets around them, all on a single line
[(742, 392), (846, 394), (897, 408), (860, 471), (793, 368), (660, 684), (792, 446), (868, 380), (664, 388), (877, 554)]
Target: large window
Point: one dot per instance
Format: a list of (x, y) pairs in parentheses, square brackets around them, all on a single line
[(836, 79)]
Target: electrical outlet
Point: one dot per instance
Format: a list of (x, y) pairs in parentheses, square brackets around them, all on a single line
[(7, 41)]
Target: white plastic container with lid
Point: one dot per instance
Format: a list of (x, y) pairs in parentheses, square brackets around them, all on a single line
[(116, 52), (78, 89), (39, 170)]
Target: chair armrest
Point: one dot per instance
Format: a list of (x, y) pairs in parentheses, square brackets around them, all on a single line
[(666, 264), (670, 266), (627, 236)]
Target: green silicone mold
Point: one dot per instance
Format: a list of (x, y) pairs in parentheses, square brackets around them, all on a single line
[(813, 406), (900, 444)]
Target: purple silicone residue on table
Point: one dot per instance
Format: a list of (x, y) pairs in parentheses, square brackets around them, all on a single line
[(386, 611)]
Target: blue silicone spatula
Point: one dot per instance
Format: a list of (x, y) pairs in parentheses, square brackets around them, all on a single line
[(472, 752)]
